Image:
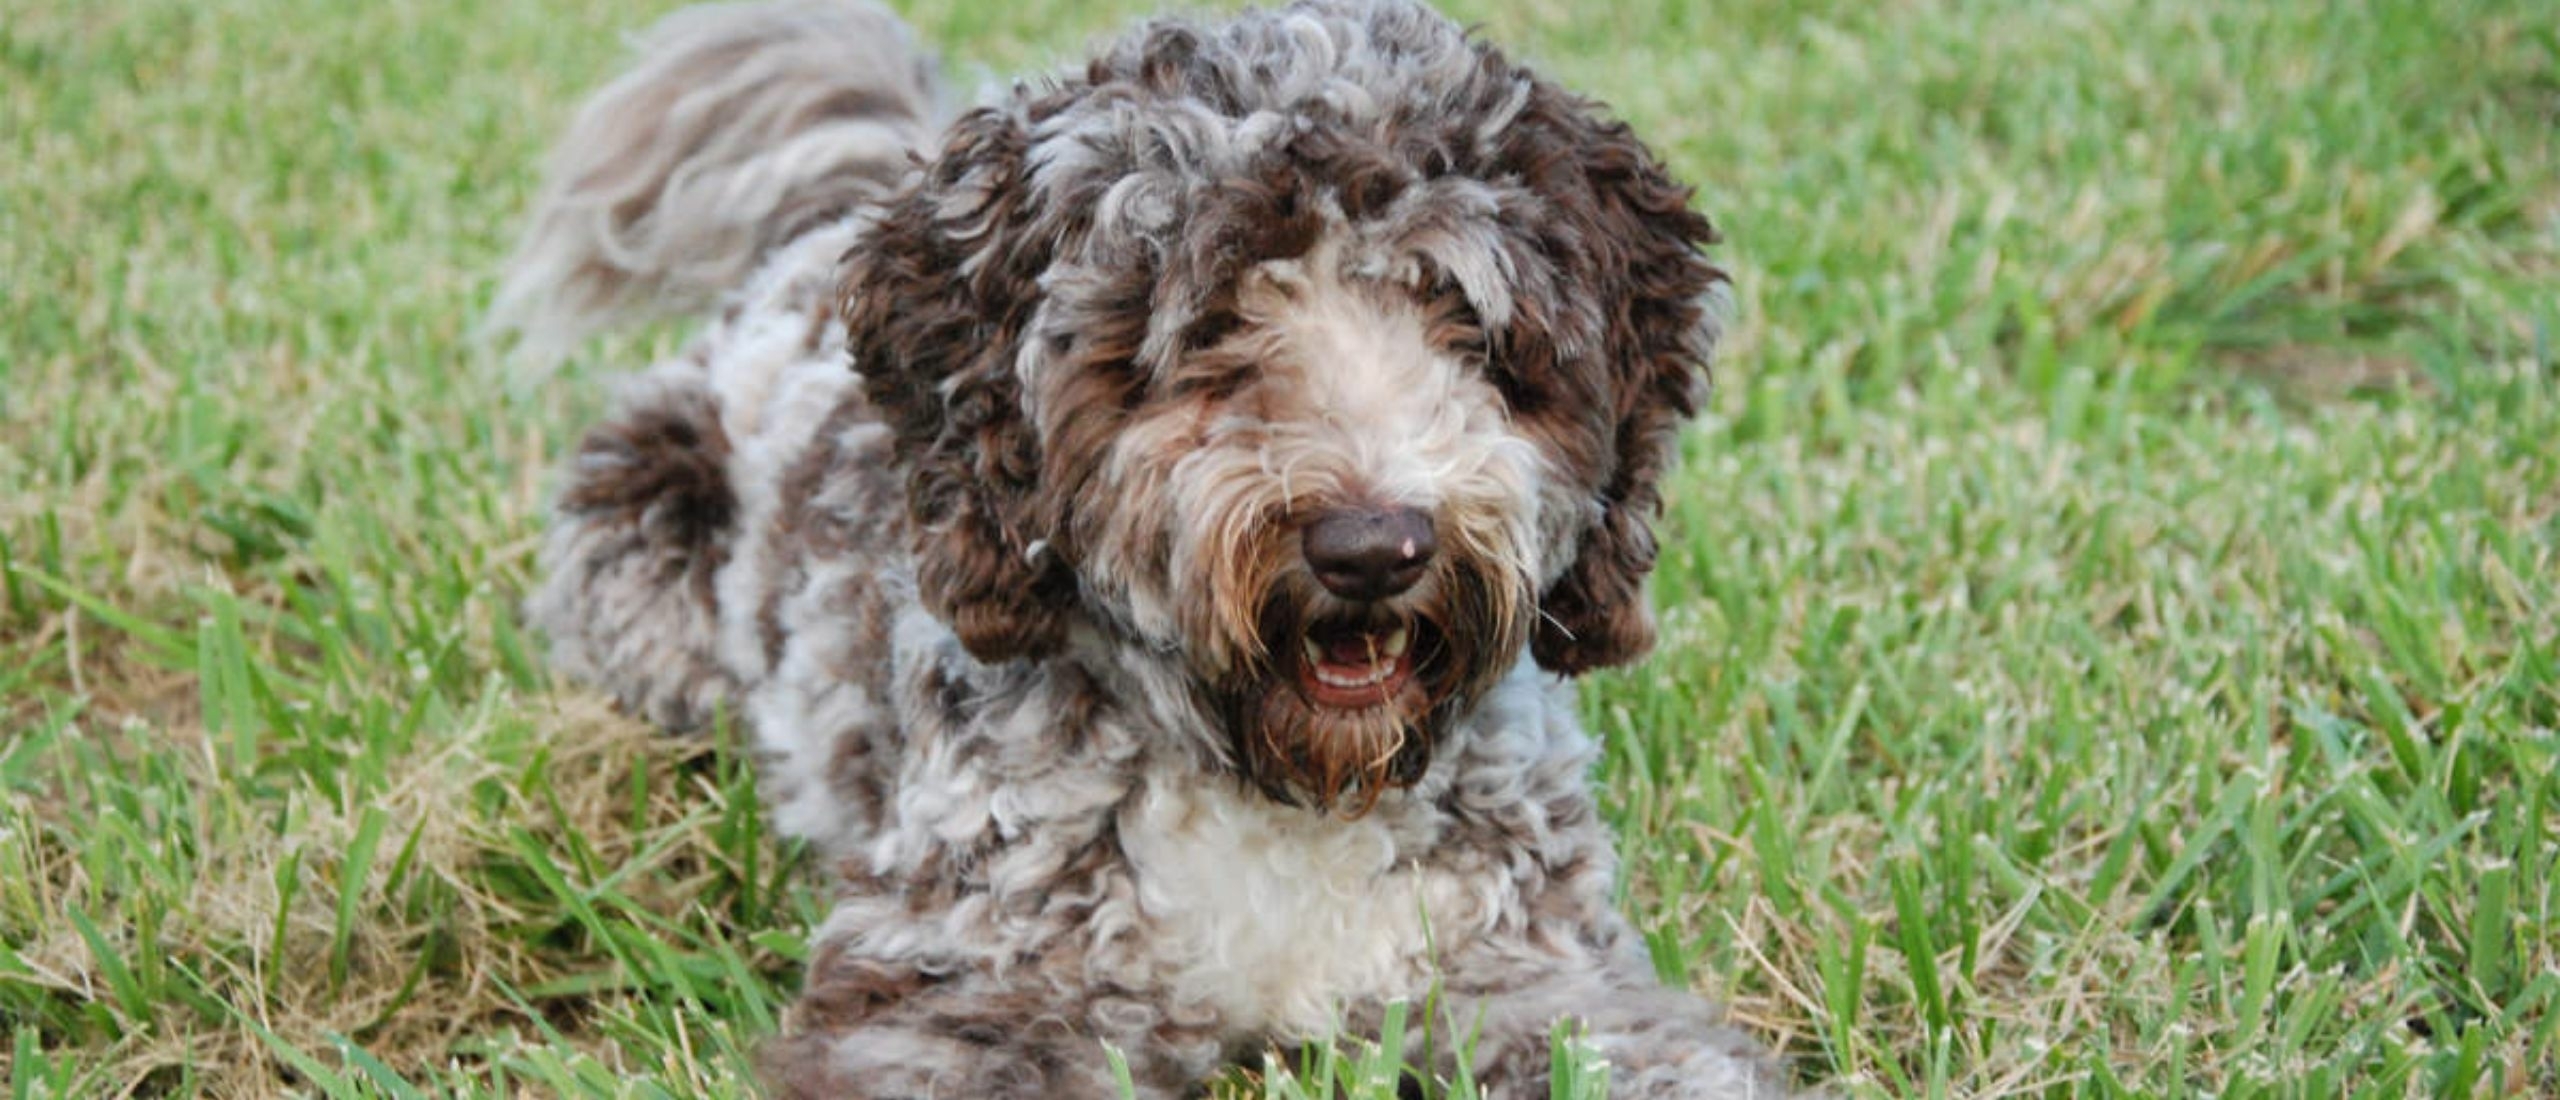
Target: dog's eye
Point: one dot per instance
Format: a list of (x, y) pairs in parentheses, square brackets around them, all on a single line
[(1525, 392), (1211, 329), (1210, 382)]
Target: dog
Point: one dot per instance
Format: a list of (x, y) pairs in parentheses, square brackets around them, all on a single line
[(1148, 524)]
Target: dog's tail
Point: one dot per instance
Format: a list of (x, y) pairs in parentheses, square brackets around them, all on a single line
[(739, 126)]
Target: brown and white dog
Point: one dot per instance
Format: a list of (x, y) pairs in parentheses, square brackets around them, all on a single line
[(1147, 523)]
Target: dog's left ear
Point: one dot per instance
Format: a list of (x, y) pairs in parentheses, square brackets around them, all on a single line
[(937, 296), (1631, 249)]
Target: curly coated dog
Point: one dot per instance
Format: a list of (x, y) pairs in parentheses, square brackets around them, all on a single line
[(1148, 523)]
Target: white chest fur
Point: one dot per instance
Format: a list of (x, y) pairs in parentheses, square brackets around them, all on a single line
[(1277, 916)]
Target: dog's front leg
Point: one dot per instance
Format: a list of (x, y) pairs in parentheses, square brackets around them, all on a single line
[(863, 1030), (1658, 1043)]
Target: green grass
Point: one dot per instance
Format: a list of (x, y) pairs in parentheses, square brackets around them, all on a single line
[(2111, 635)]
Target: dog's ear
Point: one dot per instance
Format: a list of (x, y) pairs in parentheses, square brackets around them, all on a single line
[(937, 297), (1633, 340)]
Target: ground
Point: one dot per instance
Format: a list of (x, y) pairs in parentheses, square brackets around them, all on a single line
[(2111, 643)]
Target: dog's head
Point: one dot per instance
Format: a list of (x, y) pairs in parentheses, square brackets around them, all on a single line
[(1325, 354)]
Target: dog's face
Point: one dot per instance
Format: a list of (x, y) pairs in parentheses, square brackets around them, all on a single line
[(1329, 513), (1331, 360)]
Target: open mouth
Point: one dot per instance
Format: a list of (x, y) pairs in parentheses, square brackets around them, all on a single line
[(1351, 664)]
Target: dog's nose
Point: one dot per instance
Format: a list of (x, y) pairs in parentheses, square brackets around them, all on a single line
[(1369, 553)]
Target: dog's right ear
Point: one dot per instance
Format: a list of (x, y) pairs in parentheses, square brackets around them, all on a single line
[(937, 298)]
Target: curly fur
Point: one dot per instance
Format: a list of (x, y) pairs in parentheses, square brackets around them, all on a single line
[(739, 126), (981, 502)]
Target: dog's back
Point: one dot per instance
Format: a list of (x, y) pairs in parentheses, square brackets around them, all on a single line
[(739, 139)]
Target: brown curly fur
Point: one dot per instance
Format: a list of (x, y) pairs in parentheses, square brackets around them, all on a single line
[(1020, 610), (1605, 362)]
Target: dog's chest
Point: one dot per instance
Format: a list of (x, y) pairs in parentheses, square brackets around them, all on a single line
[(1276, 917)]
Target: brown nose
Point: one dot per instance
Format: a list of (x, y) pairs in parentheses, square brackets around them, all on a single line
[(1369, 553)]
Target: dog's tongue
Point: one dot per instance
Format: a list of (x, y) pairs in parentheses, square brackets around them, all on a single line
[(1355, 648)]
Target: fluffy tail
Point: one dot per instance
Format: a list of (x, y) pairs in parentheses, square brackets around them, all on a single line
[(739, 126)]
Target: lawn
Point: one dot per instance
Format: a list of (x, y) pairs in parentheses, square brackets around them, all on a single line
[(2111, 614)]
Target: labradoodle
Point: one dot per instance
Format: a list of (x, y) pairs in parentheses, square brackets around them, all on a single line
[(1148, 524)]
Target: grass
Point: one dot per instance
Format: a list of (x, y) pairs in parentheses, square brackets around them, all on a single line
[(2111, 635)]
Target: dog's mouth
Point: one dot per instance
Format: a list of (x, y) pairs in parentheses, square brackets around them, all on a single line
[(1354, 662), (1351, 699)]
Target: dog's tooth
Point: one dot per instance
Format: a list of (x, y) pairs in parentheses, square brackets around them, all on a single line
[(1396, 643), (1315, 653)]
